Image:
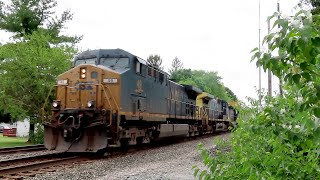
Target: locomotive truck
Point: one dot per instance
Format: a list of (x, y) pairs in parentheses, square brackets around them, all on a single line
[(112, 98)]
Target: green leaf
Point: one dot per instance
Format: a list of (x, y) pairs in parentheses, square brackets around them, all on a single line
[(301, 44), (317, 134), (317, 112), (290, 42), (256, 55), (255, 49), (204, 172), (258, 63), (288, 76), (272, 16), (303, 66), (200, 146), (306, 76), (196, 172), (296, 78), (207, 177), (276, 22), (316, 41)]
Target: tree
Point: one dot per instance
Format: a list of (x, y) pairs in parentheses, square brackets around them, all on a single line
[(35, 26), (175, 65), (232, 96), (279, 140), (28, 71), (207, 81), (155, 60), (23, 17), (314, 3)]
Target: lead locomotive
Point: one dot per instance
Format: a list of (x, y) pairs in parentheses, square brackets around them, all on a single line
[(111, 98)]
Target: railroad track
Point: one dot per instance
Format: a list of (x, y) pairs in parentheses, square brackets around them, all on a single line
[(30, 166), (12, 150)]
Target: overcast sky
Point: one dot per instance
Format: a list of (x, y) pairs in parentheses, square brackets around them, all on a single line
[(204, 34)]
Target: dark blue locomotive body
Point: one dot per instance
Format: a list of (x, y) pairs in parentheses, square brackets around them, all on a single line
[(133, 102)]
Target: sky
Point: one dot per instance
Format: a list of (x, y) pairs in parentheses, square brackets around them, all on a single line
[(204, 34)]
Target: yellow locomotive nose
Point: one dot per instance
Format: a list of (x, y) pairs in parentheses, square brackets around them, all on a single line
[(88, 87), (86, 96), (81, 89)]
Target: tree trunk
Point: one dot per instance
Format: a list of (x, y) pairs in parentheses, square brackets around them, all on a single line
[(31, 131)]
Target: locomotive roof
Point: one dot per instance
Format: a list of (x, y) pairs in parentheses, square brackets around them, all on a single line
[(192, 88), (99, 53)]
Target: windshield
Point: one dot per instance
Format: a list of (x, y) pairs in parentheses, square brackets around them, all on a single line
[(115, 62), (85, 61)]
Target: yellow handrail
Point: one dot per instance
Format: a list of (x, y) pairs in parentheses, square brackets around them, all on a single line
[(44, 105), (115, 102), (105, 93)]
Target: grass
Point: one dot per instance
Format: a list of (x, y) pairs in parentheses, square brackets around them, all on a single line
[(12, 141)]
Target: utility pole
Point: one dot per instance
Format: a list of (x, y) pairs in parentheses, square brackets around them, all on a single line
[(280, 78), (259, 52), (269, 71)]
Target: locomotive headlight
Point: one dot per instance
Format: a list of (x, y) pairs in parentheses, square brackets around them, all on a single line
[(90, 104), (56, 104), (83, 72)]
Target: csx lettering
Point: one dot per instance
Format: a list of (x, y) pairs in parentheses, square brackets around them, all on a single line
[(84, 87)]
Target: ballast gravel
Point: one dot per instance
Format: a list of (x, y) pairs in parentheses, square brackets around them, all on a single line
[(173, 161)]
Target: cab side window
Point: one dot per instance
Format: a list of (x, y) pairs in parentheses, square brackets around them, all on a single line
[(161, 78), (138, 68), (155, 72), (149, 71)]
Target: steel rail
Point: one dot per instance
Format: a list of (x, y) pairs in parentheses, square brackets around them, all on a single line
[(30, 165), (11, 170), (11, 150)]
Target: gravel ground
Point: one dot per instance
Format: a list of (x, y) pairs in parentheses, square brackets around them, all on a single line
[(5, 157), (173, 161)]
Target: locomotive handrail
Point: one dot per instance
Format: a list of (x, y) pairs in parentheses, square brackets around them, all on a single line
[(115, 102), (193, 107), (214, 111), (182, 102), (45, 102), (113, 99), (105, 95), (198, 112)]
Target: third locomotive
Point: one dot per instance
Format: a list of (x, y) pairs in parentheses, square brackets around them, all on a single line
[(112, 98)]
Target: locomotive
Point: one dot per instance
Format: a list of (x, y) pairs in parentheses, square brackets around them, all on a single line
[(112, 98)]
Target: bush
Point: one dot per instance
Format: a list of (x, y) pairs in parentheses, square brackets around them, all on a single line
[(37, 136), (280, 140), (278, 143)]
